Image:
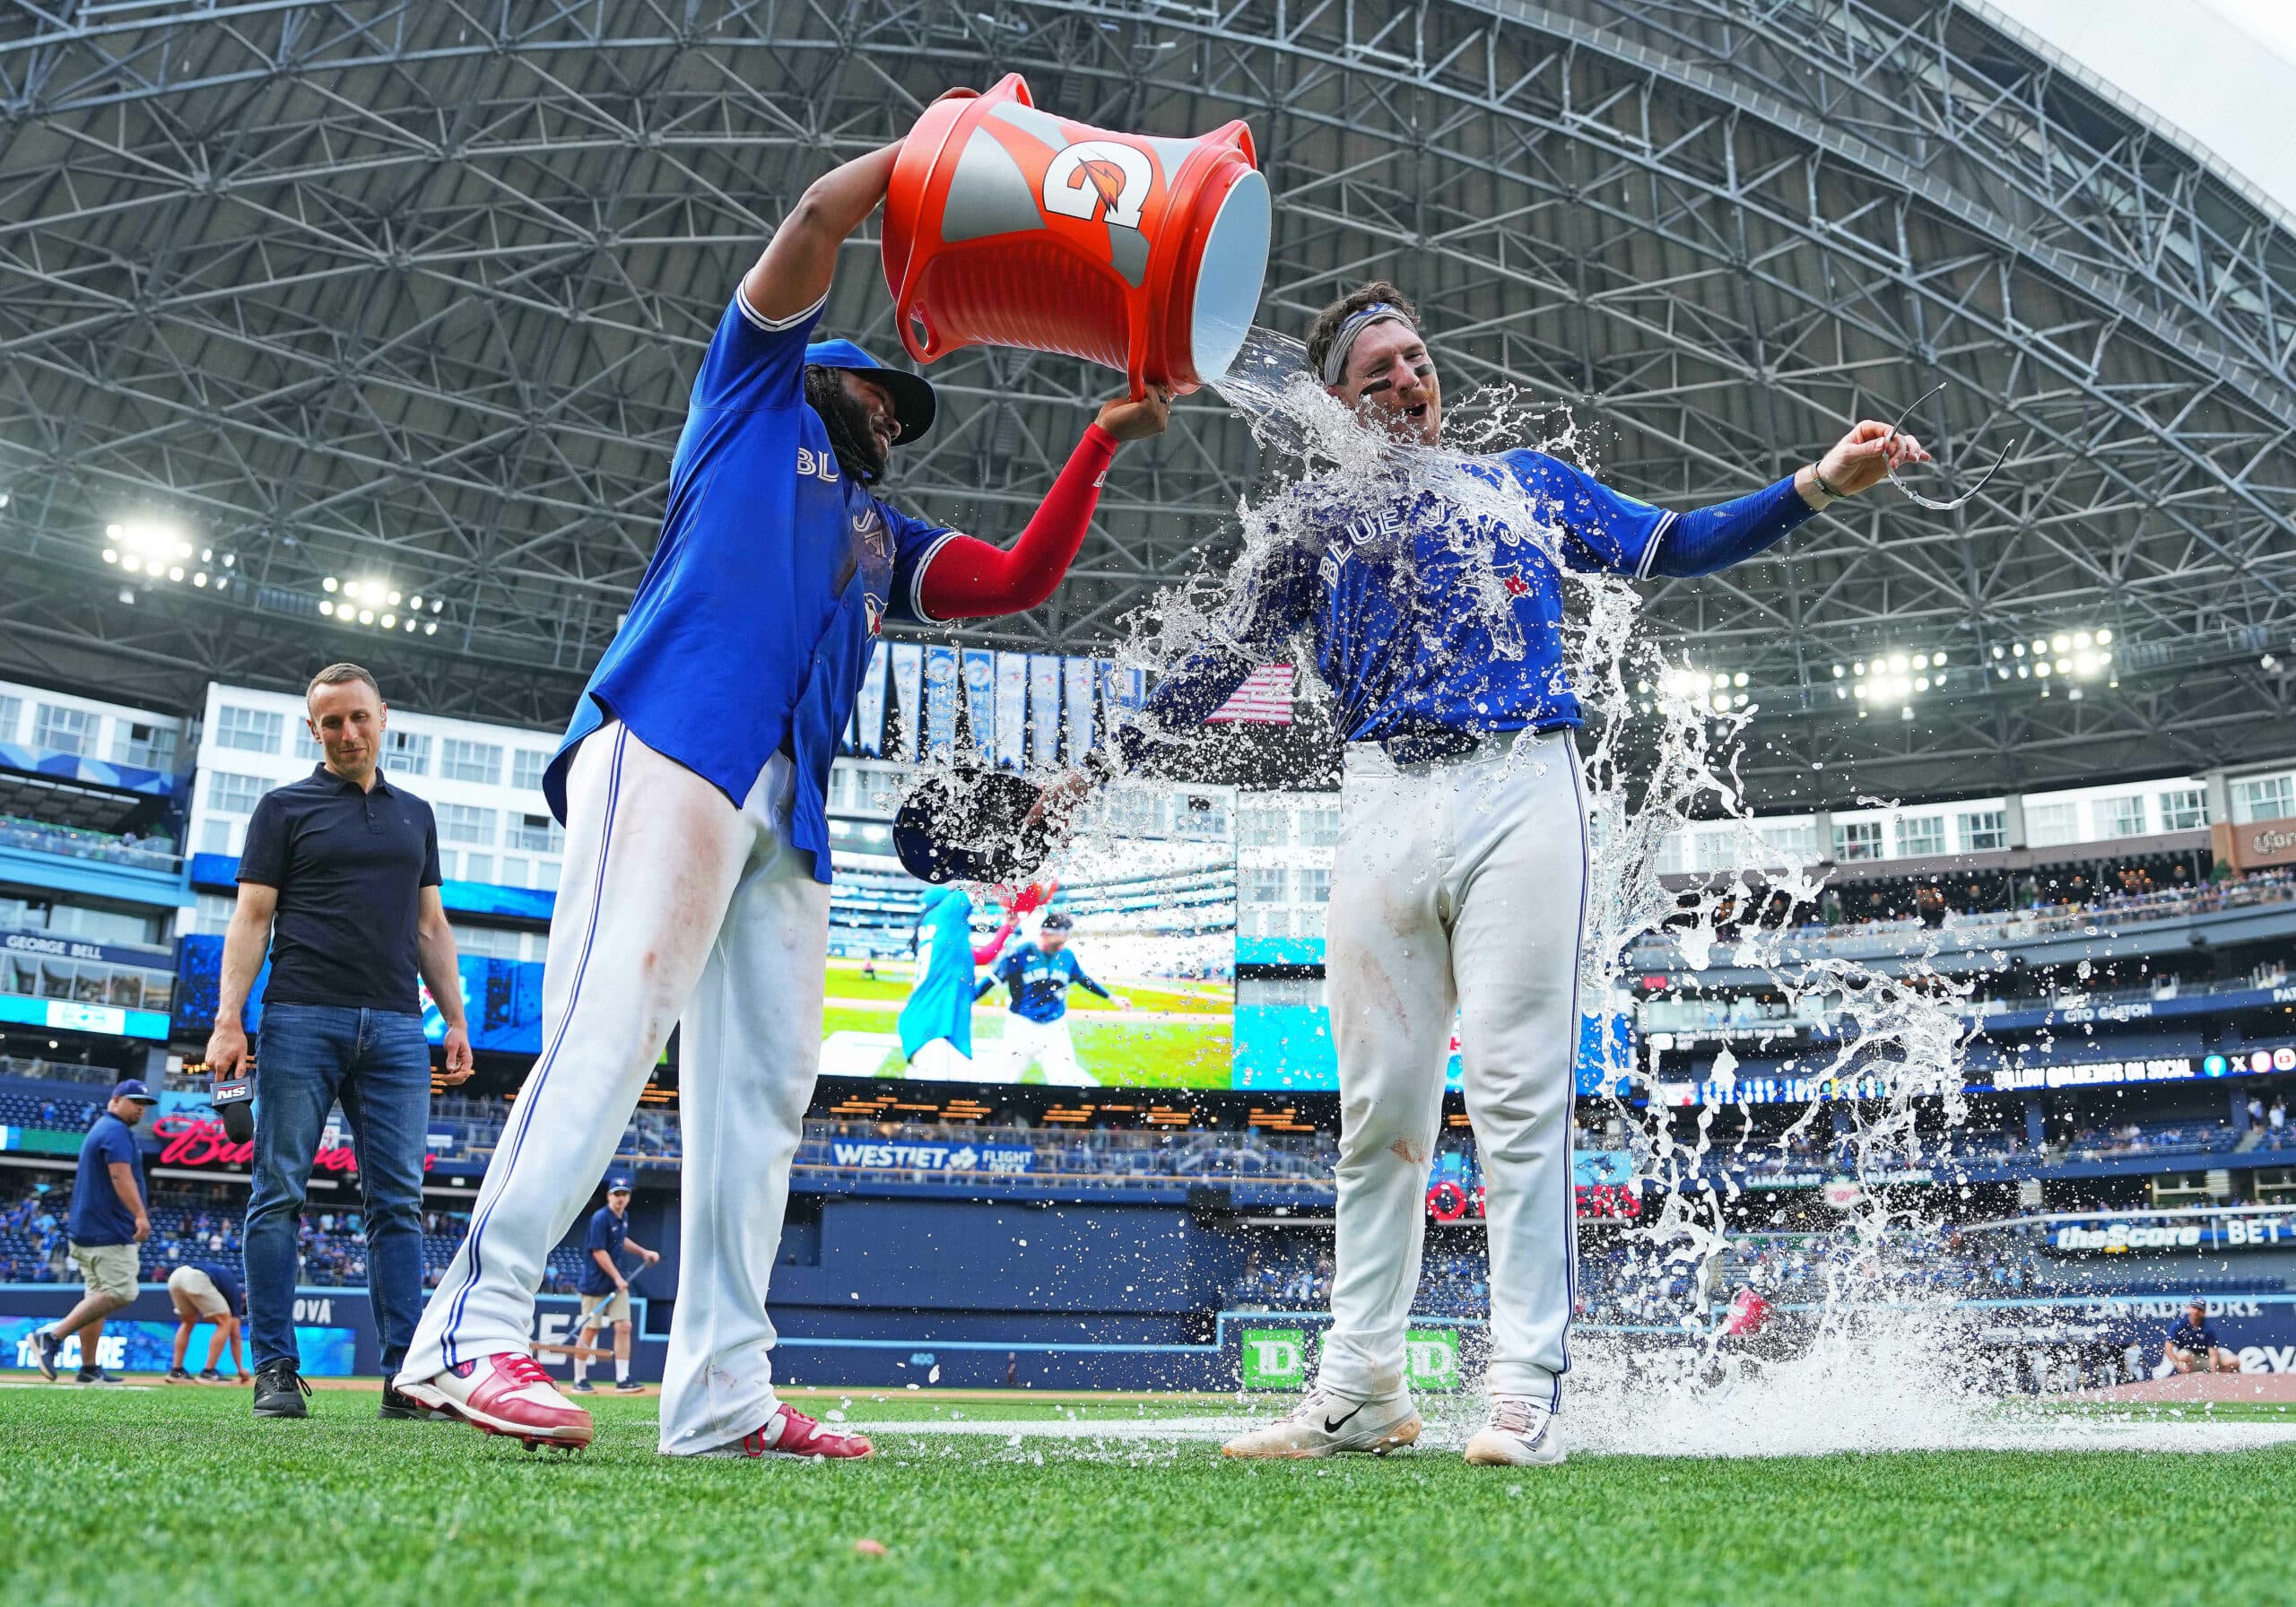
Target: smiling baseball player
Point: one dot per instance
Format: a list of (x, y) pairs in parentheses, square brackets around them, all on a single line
[(696, 888), (1461, 876)]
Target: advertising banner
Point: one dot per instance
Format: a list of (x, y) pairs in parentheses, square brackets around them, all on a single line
[(1003, 1158), (1280, 1355), (144, 1347)]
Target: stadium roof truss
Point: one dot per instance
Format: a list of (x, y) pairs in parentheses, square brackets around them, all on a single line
[(412, 292)]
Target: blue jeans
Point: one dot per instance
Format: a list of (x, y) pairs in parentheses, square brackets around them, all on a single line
[(377, 1063)]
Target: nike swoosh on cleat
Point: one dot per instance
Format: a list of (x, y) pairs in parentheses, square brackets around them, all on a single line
[(1334, 1425)]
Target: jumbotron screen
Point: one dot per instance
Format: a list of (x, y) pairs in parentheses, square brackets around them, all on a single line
[(1138, 987)]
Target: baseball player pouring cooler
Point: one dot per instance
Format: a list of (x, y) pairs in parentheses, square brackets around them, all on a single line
[(696, 884), (1460, 881)]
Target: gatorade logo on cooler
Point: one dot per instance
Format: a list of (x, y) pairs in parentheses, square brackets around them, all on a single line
[(1092, 174)]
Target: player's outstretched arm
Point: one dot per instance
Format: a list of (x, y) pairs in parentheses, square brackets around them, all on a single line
[(1711, 539), (798, 263), (971, 579)]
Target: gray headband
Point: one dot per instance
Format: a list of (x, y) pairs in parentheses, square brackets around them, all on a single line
[(1358, 321)]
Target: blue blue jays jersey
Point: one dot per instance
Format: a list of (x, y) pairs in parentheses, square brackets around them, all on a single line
[(940, 1003), (1038, 982), (754, 622), (1422, 610)]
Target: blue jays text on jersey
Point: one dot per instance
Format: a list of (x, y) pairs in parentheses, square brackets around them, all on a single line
[(1425, 610), (1038, 982), (752, 628)]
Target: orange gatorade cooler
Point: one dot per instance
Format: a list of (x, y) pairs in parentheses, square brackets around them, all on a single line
[(1007, 226)]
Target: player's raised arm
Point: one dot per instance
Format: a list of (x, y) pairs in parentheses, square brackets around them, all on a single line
[(1711, 539), (970, 579), (794, 273)]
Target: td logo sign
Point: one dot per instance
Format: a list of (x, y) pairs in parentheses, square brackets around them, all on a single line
[(1274, 1359), (1431, 1359)]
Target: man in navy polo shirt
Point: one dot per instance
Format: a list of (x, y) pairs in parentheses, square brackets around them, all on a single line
[(339, 879), (107, 1224), (605, 1292)]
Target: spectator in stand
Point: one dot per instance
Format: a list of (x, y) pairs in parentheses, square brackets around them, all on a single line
[(107, 1222), (2277, 1116), (207, 1291), (339, 879), (2193, 1347)]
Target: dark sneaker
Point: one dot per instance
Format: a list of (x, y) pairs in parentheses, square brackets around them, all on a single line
[(398, 1407), (581, 1387), (208, 1376), (176, 1375), (98, 1376), (45, 1345), (629, 1386), (280, 1390)]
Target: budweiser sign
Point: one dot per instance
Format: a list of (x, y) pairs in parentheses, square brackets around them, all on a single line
[(196, 1141)]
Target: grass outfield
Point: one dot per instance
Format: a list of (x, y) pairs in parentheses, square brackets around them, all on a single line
[(1120, 1051), (179, 1495)]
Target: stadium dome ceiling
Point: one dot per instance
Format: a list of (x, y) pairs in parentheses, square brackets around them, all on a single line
[(412, 292)]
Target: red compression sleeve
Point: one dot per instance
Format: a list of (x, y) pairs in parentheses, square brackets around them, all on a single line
[(989, 949), (970, 579)]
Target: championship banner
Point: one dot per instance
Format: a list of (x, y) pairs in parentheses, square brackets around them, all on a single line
[(908, 691), (1076, 681), (1044, 711), (940, 701), (980, 699), (1012, 711), (1123, 688), (869, 709)]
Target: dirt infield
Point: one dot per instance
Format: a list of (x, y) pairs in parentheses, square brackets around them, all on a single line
[(2195, 1389)]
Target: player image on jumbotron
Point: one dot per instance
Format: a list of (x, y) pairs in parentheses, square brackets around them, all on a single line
[(1037, 977)]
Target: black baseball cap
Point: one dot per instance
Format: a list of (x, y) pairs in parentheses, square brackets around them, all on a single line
[(1058, 920)]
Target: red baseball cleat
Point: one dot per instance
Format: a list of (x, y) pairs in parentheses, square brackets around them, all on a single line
[(506, 1393), (789, 1432)]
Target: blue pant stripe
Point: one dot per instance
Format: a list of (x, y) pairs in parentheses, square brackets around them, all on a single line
[(540, 1074)]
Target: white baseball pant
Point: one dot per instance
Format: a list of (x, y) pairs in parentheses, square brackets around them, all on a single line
[(941, 1061), (1458, 887), (672, 904), (1046, 1044)]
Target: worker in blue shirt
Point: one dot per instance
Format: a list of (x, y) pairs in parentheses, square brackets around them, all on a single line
[(1037, 978), (108, 1224), (207, 1291), (2194, 1346), (605, 1290)]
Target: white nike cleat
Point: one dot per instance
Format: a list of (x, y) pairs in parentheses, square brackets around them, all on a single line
[(1519, 1432), (1325, 1424)]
